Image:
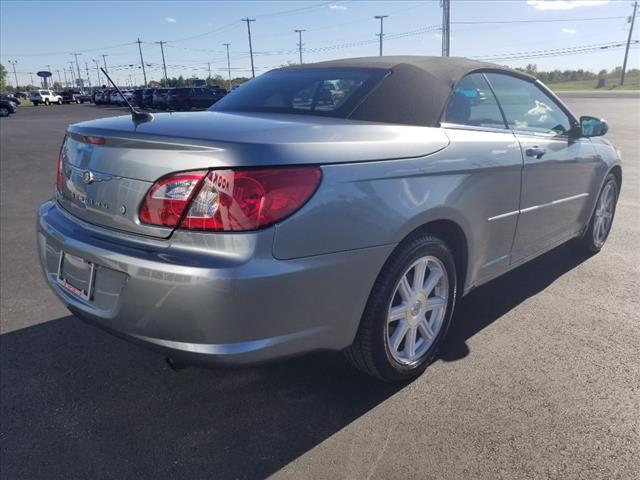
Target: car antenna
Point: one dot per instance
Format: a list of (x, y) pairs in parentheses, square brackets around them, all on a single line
[(138, 117)]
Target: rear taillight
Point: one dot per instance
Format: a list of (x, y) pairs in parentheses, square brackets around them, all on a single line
[(167, 200), (239, 200)]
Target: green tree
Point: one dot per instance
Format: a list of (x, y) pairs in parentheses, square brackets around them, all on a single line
[(3, 77), (56, 86)]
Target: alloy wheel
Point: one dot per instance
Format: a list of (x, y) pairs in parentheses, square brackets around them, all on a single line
[(604, 214), (417, 310)]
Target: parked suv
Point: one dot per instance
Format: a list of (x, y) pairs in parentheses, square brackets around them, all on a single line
[(45, 96), (147, 97), (136, 97), (199, 97), (160, 98), (75, 96)]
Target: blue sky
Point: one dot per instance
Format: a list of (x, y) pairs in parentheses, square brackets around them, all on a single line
[(37, 34)]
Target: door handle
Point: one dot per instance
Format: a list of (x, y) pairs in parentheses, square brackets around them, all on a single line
[(535, 151)]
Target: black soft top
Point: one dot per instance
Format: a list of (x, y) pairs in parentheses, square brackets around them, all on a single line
[(417, 89)]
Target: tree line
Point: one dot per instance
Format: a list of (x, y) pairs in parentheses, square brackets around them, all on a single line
[(557, 76)]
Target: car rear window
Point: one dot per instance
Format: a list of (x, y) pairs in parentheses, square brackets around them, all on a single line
[(332, 92)]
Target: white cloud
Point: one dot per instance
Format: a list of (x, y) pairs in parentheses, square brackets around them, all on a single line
[(170, 20), (337, 7), (569, 30), (564, 4)]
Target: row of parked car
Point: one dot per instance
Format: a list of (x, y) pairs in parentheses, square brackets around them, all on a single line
[(181, 98)]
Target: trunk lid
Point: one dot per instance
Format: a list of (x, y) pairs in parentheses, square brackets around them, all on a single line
[(105, 184)]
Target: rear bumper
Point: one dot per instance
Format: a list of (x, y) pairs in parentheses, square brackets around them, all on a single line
[(212, 298)]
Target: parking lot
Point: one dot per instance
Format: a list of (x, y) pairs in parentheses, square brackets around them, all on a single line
[(540, 377)]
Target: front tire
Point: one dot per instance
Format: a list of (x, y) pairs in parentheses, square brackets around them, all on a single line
[(46, 102), (408, 312), (601, 220), (4, 112)]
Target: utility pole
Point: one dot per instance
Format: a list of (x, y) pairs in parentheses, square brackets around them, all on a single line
[(66, 81), (381, 34), (144, 72), (209, 69), (86, 66), (626, 52), (446, 27), (97, 71), (104, 60), (59, 78), (299, 32), (15, 75), (249, 20), (31, 75), (164, 65), (73, 75), (78, 67), (228, 64)]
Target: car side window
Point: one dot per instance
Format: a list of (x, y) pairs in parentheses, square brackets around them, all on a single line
[(527, 108), (473, 103)]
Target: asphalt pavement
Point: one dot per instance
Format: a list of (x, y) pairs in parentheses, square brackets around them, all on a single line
[(540, 377)]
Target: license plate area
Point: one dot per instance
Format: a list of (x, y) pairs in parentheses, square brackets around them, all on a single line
[(76, 275)]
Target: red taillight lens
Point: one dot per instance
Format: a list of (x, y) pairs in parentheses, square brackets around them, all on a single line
[(229, 200), (167, 200), (240, 200), (94, 140)]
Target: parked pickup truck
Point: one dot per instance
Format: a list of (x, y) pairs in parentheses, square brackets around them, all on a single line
[(45, 96), (75, 96)]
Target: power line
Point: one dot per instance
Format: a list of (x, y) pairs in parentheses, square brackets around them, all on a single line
[(550, 20), (66, 52), (554, 52)]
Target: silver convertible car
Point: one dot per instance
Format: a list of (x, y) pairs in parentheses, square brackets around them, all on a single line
[(343, 205)]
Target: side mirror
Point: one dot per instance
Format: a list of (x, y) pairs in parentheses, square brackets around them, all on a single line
[(593, 127)]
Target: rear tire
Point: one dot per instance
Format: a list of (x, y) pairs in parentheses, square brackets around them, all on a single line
[(4, 112), (401, 329), (46, 102), (601, 219), (59, 102)]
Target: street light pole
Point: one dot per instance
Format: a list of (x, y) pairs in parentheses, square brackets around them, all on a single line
[(446, 27), (381, 34), (299, 32)]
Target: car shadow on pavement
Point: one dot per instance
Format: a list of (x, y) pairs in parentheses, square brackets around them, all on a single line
[(76, 402), (483, 306)]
